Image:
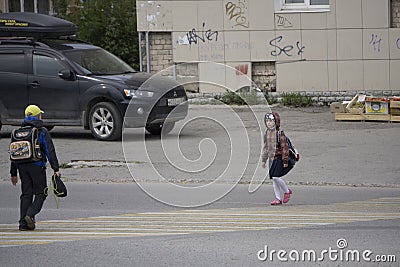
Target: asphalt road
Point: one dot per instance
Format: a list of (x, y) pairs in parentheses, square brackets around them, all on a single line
[(345, 153), (119, 225), (346, 186)]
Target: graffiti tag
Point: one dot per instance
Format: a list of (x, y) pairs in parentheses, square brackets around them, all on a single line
[(283, 22), (287, 50), (241, 69), (376, 43), (193, 36), (236, 12)]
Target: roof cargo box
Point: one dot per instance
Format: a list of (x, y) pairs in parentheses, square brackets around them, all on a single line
[(27, 24)]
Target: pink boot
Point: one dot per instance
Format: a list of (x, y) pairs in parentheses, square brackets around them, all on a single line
[(276, 202), (286, 196)]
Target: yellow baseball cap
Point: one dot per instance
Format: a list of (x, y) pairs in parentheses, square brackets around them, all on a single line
[(33, 110)]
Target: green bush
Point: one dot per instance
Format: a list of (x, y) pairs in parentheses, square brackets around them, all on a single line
[(270, 100), (296, 100), (232, 98), (109, 24)]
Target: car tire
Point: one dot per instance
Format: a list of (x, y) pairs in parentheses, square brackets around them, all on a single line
[(105, 122), (158, 129)]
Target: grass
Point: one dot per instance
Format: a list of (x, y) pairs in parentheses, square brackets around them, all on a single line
[(296, 100)]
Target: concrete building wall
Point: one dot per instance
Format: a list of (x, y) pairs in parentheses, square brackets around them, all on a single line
[(354, 45)]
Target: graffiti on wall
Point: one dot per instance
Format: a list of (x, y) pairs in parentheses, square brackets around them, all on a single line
[(398, 43), (287, 50), (211, 52), (376, 42), (282, 21), (193, 36), (241, 69), (236, 13)]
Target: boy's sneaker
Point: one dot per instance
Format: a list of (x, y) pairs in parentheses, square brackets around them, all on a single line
[(276, 202), (30, 222), (286, 196), (24, 227)]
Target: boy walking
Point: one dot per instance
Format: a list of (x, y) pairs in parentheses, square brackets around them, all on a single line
[(33, 173)]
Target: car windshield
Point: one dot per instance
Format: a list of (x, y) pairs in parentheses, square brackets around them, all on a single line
[(99, 62)]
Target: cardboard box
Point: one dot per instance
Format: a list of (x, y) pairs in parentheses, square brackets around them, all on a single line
[(356, 105), (376, 107), (337, 107)]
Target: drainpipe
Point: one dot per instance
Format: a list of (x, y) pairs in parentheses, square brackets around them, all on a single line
[(140, 52), (173, 62), (147, 52), (390, 13)]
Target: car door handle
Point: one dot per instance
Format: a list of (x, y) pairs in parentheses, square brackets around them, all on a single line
[(34, 84)]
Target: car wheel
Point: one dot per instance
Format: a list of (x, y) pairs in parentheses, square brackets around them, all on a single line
[(49, 128), (157, 129), (105, 122)]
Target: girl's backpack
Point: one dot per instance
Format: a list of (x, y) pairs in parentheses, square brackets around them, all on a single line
[(293, 154)]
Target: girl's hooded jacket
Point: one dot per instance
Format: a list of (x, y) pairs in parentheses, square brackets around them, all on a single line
[(273, 149)]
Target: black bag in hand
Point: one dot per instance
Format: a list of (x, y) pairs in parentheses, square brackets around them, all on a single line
[(59, 188)]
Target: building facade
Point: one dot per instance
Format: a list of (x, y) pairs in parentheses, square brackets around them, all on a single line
[(36, 6), (282, 45)]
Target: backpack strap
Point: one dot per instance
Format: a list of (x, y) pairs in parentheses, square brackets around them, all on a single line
[(278, 137)]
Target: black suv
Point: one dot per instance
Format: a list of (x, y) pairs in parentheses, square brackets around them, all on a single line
[(79, 84)]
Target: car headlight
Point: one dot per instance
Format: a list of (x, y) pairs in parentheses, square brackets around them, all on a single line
[(129, 93), (138, 93)]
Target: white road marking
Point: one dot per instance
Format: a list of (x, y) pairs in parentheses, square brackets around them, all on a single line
[(181, 222)]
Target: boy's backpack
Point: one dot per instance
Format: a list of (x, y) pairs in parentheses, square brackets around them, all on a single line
[(293, 154), (24, 145)]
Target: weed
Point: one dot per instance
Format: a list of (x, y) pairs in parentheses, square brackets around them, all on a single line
[(296, 100), (233, 98)]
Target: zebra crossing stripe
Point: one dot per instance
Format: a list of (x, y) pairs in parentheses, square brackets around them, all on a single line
[(202, 221)]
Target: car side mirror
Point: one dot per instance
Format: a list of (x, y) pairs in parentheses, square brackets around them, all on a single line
[(66, 75)]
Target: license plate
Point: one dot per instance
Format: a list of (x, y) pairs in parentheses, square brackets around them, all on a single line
[(175, 101)]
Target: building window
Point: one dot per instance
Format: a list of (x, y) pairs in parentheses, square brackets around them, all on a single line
[(37, 6), (43, 6), (14, 6), (29, 6), (305, 4)]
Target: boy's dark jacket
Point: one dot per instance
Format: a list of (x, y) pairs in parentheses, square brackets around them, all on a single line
[(46, 144)]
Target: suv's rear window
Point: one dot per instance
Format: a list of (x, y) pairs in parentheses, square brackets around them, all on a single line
[(12, 62)]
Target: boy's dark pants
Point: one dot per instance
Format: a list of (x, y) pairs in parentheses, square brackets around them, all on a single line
[(33, 184)]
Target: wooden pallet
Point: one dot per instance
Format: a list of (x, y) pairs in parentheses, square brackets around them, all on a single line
[(394, 118), (395, 108), (365, 117)]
